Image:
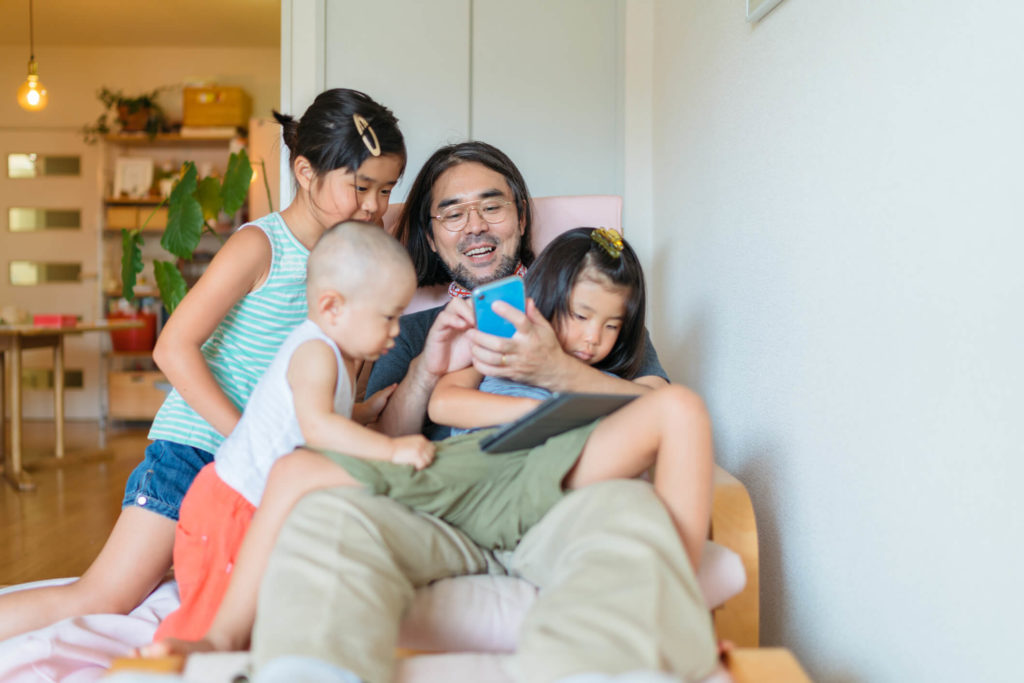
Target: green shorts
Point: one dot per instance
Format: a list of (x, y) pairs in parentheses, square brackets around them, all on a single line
[(494, 498)]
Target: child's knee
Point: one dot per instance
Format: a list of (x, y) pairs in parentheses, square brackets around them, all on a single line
[(291, 468), (94, 595), (683, 403)]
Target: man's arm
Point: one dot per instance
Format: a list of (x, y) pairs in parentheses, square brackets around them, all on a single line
[(429, 345), (534, 356)]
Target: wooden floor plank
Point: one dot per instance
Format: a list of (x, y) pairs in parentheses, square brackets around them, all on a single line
[(58, 529)]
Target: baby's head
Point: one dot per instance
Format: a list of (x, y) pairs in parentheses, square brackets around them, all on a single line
[(589, 283), (359, 279)]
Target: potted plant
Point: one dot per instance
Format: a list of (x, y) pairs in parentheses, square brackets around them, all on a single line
[(140, 113), (192, 208)]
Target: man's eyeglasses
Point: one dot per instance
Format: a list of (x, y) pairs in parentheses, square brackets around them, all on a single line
[(454, 218)]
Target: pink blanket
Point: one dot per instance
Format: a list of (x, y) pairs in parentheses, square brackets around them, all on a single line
[(81, 648)]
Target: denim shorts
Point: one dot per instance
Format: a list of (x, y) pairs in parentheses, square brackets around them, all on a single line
[(164, 475)]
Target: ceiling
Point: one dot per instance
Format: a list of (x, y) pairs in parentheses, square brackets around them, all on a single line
[(137, 23)]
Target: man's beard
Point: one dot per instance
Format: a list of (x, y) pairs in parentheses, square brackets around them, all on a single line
[(462, 277)]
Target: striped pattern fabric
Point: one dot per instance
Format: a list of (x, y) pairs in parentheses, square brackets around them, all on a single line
[(245, 342)]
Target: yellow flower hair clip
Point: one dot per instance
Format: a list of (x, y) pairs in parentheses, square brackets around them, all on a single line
[(609, 240)]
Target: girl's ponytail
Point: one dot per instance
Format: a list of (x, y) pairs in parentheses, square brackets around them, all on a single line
[(289, 128)]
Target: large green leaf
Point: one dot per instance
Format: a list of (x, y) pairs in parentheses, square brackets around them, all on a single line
[(236, 182), (170, 282), (208, 195), (184, 217), (131, 261)]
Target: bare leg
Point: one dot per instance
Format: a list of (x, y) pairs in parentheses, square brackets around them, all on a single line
[(291, 478), (131, 564), (670, 429)]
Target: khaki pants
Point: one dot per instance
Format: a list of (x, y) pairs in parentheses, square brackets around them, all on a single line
[(618, 593)]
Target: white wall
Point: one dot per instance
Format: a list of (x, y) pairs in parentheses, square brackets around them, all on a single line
[(838, 226), (72, 76)]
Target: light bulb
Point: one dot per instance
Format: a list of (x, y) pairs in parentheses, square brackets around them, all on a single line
[(32, 94)]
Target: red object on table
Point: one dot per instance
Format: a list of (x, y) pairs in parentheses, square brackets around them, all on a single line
[(135, 339), (54, 320)]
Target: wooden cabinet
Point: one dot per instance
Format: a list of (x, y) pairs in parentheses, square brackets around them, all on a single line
[(131, 214), (135, 394), (135, 387)]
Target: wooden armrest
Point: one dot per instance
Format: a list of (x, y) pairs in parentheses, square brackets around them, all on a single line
[(765, 665), (734, 526), (170, 664)]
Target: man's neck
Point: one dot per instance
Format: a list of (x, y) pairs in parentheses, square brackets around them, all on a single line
[(455, 290)]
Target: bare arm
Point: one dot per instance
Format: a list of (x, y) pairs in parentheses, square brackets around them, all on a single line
[(312, 376), (446, 349), (239, 267), (534, 356), (457, 402)]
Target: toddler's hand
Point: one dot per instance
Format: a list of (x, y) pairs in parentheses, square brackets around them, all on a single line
[(415, 450)]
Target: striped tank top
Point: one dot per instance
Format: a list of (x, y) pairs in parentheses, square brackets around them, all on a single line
[(245, 341)]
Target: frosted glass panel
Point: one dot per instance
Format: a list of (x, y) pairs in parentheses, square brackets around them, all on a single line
[(42, 378), (30, 165), (21, 219), (29, 273)]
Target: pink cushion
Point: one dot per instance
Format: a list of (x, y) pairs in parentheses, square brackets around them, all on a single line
[(554, 215), (483, 613)]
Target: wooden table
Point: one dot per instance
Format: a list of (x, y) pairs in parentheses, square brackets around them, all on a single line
[(15, 339)]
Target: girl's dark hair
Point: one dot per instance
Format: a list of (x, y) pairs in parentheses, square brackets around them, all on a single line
[(414, 224), (558, 268), (327, 136)]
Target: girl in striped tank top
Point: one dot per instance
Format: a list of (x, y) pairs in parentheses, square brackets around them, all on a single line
[(347, 153)]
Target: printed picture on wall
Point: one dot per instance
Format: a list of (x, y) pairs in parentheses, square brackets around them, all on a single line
[(133, 177)]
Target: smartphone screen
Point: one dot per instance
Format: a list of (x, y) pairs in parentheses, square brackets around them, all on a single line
[(510, 290)]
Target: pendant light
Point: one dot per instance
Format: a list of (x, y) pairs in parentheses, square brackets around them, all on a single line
[(32, 94)]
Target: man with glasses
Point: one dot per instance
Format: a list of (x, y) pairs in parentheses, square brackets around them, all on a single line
[(467, 221), (618, 593)]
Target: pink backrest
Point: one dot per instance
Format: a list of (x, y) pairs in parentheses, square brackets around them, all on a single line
[(551, 216)]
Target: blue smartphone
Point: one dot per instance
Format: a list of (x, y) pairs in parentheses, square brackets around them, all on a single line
[(508, 289)]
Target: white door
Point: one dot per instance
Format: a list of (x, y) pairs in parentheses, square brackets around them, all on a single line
[(541, 80), (21, 250), (547, 89)]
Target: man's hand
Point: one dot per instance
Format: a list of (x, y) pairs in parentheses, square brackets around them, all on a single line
[(447, 347), (532, 355), (415, 450), (369, 410)]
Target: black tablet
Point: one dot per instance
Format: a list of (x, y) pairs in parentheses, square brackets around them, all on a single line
[(558, 414)]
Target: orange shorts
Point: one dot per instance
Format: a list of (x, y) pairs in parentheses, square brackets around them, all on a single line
[(212, 523)]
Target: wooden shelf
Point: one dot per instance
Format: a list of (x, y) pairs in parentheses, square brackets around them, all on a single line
[(147, 201), (169, 139), (140, 293), (144, 231)]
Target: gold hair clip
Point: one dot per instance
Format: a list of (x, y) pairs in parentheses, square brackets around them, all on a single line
[(366, 133), (609, 240)]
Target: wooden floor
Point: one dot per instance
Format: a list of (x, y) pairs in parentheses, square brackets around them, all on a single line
[(60, 527)]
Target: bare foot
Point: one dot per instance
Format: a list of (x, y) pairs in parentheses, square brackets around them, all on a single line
[(176, 646)]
